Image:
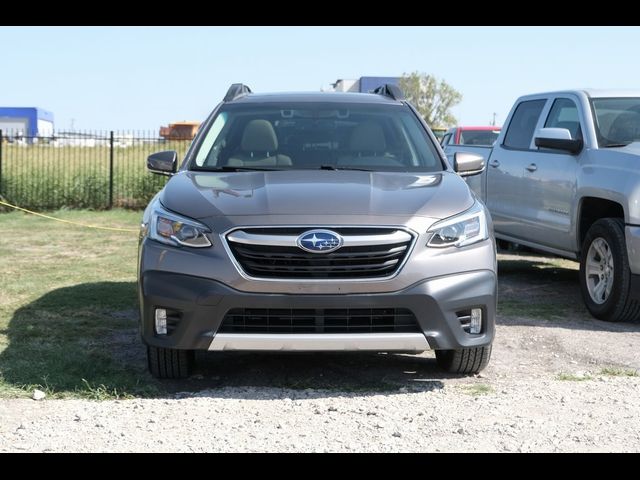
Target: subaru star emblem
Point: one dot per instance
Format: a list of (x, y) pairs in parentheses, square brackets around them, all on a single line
[(319, 241)]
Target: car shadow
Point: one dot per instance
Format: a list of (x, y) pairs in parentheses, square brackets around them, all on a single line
[(344, 372), (535, 290), (84, 340)]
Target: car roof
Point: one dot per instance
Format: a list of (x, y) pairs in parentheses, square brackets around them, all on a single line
[(482, 127), (597, 93), (318, 97), (589, 92)]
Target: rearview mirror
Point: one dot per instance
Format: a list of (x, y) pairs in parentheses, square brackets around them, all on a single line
[(465, 163), (163, 163), (557, 139)]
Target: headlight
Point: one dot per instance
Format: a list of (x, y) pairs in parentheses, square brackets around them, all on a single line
[(463, 229), (173, 229)]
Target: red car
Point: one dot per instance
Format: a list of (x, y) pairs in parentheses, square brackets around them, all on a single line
[(471, 136)]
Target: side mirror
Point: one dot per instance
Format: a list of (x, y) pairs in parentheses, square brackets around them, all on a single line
[(163, 163), (465, 163), (557, 139)]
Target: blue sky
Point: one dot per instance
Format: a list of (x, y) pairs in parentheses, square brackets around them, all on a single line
[(144, 77)]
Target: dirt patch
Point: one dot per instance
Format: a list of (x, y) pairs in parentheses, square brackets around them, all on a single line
[(541, 316)]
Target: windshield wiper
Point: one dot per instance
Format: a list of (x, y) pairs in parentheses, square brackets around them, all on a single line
[(614, 145), (230, 168), (333, 167)]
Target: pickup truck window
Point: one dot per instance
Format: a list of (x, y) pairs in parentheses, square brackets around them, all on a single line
[(564, 114), (617, 121), (523, 124)]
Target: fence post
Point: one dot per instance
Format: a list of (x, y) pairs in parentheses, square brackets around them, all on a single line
[(111, 170), (1, 140)]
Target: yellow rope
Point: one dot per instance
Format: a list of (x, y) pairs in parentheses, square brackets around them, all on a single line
[(112, 229)]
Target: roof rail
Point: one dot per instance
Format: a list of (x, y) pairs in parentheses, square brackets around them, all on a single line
[(389, 90), (236, 90)]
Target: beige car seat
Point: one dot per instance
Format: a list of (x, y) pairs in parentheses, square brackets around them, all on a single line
[(259, 147)]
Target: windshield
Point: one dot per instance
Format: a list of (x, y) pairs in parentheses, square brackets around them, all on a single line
[(316, 136), (478, 137), (617, 121)]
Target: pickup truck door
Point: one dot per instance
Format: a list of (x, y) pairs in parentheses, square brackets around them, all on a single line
[(550, 180), (506, 191)]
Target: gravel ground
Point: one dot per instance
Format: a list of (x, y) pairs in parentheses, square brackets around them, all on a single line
[(600, 415), (549, 387)]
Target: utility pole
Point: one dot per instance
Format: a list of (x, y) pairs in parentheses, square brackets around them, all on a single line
[(493, 122)]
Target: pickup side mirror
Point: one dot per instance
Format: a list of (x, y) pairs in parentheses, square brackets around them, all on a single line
[(163, 163), (558, 139), (465, 163)]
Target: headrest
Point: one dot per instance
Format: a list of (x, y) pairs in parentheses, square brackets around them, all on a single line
[(625, 127), (367, 137), (259, 136)]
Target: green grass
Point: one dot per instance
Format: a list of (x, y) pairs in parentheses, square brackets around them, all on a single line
[(526, 278), (477, 389), (570, 377), (619, 372), (68, 318), (48, 177), (528, 308)]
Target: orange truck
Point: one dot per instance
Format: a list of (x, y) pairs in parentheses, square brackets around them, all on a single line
[(180, 131)]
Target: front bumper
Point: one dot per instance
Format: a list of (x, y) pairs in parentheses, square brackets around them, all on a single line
[(203, 304), (326, 342)]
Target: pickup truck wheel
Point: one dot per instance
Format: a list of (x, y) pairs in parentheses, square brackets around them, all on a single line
[(605, 278), (465, 360), (169, 363)]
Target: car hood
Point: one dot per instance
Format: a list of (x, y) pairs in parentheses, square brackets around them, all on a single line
[(316, 192), (620, 158), (633, 148)]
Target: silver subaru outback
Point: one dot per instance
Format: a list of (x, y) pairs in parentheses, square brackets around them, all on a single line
[(316, 222)]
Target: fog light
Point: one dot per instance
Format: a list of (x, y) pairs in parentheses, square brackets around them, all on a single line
[(161, 321), (476, 320)]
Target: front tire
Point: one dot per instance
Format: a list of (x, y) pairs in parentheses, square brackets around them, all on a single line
[(605, 277), (464, 360), (169, 363)]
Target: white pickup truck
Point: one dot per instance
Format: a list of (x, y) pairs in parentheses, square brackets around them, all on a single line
[(564, 177)]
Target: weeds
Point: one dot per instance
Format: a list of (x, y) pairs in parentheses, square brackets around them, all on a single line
[(477, 389), (570, 377), (619, 372)]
